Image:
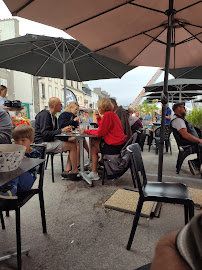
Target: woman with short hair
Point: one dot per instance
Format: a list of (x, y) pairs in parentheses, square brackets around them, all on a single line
[(110, 129)]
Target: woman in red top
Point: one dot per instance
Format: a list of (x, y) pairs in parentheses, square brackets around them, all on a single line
[(110, 129)]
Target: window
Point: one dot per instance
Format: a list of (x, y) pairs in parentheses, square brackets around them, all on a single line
[(56, 92), (77, 85), (56, 80), (50, 91), (71, 83), (50, 79), (62, 82), (42, 90), (3, 82), (62, 95)]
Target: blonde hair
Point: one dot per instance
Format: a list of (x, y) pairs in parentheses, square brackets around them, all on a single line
[(70, 106), (105, 104), (23, 131)]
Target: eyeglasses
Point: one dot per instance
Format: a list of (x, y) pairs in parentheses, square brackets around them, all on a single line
[(183, 107), (59, 104)]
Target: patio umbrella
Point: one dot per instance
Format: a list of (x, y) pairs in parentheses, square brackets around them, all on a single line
[(180, 86), (136, 32), (174, 96), (58, 58), (187, 72), (199, 100)]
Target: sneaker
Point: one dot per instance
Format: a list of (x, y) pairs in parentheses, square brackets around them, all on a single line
[(193, 168), (8, 193), (93, 176), (71, 176)]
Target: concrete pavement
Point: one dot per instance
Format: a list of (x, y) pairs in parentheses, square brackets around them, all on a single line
[(82, 234)]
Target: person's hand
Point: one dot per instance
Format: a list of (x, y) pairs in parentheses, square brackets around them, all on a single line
[(67, 129), (166, 255), (76, 118), (12, 109), (97, 115)]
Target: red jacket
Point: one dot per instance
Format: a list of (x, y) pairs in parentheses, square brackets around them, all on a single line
[(110, 128)]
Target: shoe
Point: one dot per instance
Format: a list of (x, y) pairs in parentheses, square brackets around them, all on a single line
[(93, 176), (101, 163), (71, 176), (8, 193), (193, 168)]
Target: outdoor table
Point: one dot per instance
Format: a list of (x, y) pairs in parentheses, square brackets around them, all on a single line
[(80, 138), (26, 165)]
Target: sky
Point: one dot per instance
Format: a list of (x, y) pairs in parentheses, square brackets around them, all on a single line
[(125, 90)]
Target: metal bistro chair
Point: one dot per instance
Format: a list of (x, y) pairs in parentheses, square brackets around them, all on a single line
[(16, 204), (51, 154), (166, 138), (167, 192)]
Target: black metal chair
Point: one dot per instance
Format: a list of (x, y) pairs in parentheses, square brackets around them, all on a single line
[(167, 192), (23, 198), (51, 154), (184, 150), (166, 138)]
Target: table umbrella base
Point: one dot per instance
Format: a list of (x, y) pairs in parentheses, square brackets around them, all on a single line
[(13, 252)]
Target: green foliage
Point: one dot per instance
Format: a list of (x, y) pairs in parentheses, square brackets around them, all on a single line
[(147, 108), (195, 117)]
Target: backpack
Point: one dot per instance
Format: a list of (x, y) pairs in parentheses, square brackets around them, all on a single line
[(117, 165)]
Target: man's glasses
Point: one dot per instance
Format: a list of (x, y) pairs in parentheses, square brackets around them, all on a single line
[(59, 104), (183, 107)]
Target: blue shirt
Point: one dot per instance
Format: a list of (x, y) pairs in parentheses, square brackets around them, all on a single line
[(168, 112)]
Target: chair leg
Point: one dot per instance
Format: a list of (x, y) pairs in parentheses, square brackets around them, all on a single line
[(186, 214), (191, 210), (62, 163), (43, 214), (47, 161), (52, 168), (18, 238), (133, 177), (103, 175), (7, 213), (135, 223), (2, 220)]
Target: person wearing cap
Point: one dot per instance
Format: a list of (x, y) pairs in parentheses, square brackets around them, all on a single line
[(188, 135)]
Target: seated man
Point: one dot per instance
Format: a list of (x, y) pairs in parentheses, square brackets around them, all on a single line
[(46, 127), (188, 135), (6, 127)]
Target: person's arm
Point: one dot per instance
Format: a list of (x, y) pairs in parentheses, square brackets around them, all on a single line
[(139, 123), (103, 127), (188, 136), (66, 119), (166, 255)]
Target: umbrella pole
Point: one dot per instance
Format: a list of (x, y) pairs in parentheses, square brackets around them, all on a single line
[(64, 74), (164, 96)]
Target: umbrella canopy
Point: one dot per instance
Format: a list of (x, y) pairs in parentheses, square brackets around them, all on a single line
[(187, 72), (133, 32), (199, 100), (57, 58), (176, 85), (174, 96)]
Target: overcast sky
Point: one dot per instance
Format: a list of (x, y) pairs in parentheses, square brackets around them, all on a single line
[(125, 89)]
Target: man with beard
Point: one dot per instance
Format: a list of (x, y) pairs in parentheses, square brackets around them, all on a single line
[(188, 135)]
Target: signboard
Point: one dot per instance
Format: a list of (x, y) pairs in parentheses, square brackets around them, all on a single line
[(70, 96)]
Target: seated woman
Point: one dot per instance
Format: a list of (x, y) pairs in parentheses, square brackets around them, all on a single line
[(110, 129), (134, 122), (69, 118)]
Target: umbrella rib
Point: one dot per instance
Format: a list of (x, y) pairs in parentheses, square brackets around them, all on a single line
[(89, 54), (188, 6), (70, 55), (75, 48), (14, 13), (43, 63), (95, 16), (57, 48), (156, 10), (145, 47), (47, 54), (193, 36), (122, 40), (155, 39)]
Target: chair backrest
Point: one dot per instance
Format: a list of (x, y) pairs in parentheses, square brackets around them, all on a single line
[(32, 123), (42, 149), (137, 166), (166, 134)]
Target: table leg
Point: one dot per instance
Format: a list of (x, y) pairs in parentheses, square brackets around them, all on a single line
[(82, 172)]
